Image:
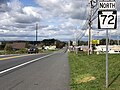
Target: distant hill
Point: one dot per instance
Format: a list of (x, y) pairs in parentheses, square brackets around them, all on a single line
[(45, 42), (58, 43)]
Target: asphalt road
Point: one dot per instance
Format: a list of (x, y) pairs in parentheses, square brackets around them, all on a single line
[(48, 73), (13, 60)]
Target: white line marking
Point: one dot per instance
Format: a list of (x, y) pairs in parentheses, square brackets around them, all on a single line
[(23, 64)]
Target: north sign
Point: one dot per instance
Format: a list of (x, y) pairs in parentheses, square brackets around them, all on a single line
[(107, 5), (107, 19)]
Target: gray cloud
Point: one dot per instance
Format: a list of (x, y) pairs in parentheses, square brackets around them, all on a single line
[(71, 9), (56, 18), (4, 6), (25, 19), (9, 35)]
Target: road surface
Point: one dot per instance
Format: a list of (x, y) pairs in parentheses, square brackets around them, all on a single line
[(48, 73)]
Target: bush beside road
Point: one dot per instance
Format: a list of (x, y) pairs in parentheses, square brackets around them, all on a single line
[(88, 72)]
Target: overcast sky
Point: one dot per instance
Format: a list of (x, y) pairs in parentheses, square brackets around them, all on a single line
[(59, 19)]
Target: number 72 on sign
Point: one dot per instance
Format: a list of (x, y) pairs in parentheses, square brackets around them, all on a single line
[(107, 19)]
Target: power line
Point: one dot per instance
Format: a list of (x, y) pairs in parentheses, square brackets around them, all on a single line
[(93, 4), (85, 26), (89, 20)]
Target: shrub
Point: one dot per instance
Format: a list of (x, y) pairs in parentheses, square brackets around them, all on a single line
[(8, 48), (21, 51)]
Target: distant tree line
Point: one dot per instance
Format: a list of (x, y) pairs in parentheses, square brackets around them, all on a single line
[(102, 42), (45, 42), (111, 42), (57, 43)]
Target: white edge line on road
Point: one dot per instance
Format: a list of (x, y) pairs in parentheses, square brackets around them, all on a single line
[(23, 64)]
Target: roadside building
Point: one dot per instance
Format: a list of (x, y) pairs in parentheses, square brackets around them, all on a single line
[(50, 47), (17, 46), (111, 49)]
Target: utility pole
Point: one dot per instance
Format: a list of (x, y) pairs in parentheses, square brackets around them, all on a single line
[(76, 44), (93, 4), (89, 32), (36, 34), (89, 39)]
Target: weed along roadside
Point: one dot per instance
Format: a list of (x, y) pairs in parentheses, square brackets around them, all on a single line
[(88, 72)]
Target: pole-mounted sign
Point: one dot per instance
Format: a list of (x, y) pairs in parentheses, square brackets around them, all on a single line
[(107, 15), (107, 19), (107, 5)]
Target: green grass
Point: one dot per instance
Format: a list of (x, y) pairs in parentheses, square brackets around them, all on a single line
[(83, 66)]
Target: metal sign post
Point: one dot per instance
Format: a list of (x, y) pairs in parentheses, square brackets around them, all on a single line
[(107, 19), (107, 58)]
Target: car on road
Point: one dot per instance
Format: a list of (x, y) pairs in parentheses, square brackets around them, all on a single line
[(33, 50)]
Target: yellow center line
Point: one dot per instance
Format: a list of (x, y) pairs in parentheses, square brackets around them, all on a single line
[(11, 57)]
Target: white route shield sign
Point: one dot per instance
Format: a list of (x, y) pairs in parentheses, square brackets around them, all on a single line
[(107, 19)]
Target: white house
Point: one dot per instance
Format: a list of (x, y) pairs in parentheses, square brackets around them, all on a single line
[(50, 47), (111, 48)]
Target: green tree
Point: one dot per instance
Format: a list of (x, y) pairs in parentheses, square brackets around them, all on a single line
[(103, 41)]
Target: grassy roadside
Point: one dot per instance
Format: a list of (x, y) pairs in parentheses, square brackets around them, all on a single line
[(88, 72)]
